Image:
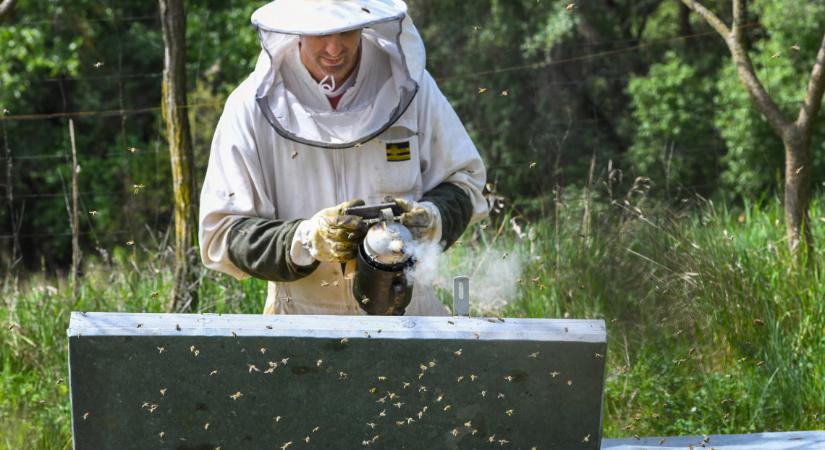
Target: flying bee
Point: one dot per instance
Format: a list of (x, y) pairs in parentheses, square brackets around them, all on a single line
[(382, 378), (508, 378), (253, 367), (161, 350), (286, 445), (457, 352), (473, 377), (454, 432), (236, 395), (206, 426), (342, 375), (458, 380), (398, 404), (533, 355), (306, 439), (371, 425), (382, 413), (484, 393), (509, 412), (163, 392), (284, 361), (405, 385), (447, 408), (468, 424), (85, 415), (554, 374), (319, 362), (263, 350), (316, 429)]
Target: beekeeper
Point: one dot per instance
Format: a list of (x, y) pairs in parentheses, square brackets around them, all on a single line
[(339, 111)]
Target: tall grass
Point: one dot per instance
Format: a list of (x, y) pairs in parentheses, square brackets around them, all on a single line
[(712, 327)]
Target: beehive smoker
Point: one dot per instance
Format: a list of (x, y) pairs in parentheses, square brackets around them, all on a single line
[(384, 258)]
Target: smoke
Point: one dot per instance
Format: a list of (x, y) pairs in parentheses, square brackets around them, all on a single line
[(494, 273)]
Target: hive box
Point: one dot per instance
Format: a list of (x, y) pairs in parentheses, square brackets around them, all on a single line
[(169, 381)]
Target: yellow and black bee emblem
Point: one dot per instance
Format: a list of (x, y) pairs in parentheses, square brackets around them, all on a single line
[(398, 151)]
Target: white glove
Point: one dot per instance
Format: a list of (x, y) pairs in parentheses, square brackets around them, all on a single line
[(422, 219), (329, 236)]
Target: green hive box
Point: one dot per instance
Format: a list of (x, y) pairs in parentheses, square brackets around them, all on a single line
[(166, 381)]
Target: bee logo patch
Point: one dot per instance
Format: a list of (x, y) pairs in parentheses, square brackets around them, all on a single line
[(398, 151)]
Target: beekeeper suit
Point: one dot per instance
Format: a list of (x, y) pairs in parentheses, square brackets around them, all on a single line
[(285, 164)]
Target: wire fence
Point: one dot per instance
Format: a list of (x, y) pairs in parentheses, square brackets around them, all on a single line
[(133, 210)]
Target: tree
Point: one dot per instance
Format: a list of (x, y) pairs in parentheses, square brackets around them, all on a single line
[(173, 18), (795, 134), (5, 6)]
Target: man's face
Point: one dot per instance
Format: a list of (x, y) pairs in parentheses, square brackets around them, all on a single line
[(332, 54)]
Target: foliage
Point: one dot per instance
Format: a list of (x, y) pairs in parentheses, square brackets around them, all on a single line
[(783, 54), (670, 124)]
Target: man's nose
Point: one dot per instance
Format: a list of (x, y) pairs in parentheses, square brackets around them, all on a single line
[(333, 45)]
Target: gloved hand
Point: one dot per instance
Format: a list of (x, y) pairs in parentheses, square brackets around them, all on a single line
[(331, 235), (422, 219)]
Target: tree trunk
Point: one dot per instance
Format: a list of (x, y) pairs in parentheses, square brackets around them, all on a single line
[(173, 18), (798, 160)]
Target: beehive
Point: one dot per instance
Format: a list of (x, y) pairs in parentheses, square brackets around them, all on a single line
[(329, 382)]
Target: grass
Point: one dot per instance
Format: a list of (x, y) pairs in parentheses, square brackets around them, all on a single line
[(712, 328)]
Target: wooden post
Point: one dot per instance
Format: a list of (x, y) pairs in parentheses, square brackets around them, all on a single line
[(13, 219), (75, 217), (173, 19)]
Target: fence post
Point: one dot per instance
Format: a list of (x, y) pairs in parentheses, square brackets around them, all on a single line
[(75, 219)]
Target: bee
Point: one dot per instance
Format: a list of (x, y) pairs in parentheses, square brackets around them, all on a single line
[(422, 388), (570, 7), (132, 150), (371, 425), (163, 392), (161, 435), (458, 380), (570, 382), (194, 351), (342, 375), (98, 64), (206, 426), (236, 395), (420, 414), (509, 412), (554, 374), (93, 213), (161, 350), (130, 243), (319, 362), (484, 393), (405, 385), (532, 164), (277, 419), (533, 355), (508, 378), (263, 350), (500, 395), (85, 415), (306, 439), (423, 367), (286, 445), (373, 390), (492, 438), (398, 404), (438, 399), (447, 408), (599, 355), (284, 361), (382, 400), (382, 413), (468, 424), (457, 352), (324, 283), (365, 300), (454, 432), (294, 155), (410, 420), (482, 90), (504, 93), (503, 441), (473, 433), (382, 378), (391, 395), (253, 367), (431, 364), (316, 429), (473, 377), (586, 439)]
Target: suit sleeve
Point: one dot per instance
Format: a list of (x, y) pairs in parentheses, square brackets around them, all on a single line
[(453, 174), (239, 231)]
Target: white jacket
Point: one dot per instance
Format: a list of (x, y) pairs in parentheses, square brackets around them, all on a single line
[(257, 171)]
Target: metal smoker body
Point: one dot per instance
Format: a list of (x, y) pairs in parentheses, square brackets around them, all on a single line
[(380, 284)]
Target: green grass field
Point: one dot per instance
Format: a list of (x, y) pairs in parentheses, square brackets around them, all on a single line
[(712, 328)]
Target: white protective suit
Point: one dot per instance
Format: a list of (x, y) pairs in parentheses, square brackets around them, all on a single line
[(281, 152)]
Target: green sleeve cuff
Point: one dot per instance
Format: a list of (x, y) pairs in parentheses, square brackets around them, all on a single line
[(456, 209), (261, 248)]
